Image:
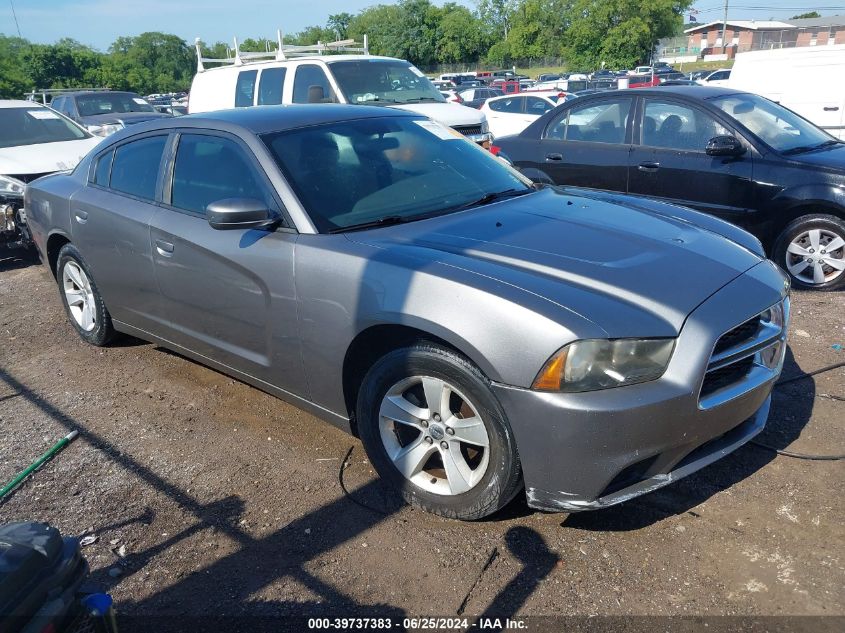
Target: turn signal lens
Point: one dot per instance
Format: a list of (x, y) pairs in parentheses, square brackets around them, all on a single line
[(551, 375)]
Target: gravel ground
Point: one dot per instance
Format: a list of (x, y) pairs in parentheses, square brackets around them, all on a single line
[(208, 497)]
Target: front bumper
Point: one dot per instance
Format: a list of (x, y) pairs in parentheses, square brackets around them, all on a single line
[(583, 451)]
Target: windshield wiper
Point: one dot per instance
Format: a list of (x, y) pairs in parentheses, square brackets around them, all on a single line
[(492, 197), (810, 148), (388, 220), (431, 99)]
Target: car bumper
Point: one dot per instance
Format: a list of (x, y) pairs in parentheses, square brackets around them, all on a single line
[(583, 451)]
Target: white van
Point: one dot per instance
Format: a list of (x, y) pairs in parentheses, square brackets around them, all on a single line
[(805, 79), (297, 75)]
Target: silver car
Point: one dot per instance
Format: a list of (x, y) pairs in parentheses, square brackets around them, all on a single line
[(482, 336)]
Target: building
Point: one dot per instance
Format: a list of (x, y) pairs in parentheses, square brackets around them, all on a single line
[(705, 40)]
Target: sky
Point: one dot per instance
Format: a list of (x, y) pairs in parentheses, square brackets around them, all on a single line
[(99, 22)]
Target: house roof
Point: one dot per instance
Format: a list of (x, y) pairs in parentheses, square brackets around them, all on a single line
[(752, 25), (810, 23)]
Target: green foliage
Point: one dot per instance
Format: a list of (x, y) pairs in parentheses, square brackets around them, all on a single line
[(811, 14), (619, 33)]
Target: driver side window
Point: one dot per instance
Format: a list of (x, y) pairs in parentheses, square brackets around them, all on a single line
[(592, 122)]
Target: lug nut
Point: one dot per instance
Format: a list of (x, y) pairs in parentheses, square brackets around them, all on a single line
[(444, 445), (424, 423), (437, 417), (812, 250), (450, 430), (428, 439)]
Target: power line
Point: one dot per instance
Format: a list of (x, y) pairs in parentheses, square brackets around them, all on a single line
[(15, 15)]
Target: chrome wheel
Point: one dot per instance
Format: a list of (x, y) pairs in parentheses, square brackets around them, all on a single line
[(816, 256), (434, 435), (79, 296)]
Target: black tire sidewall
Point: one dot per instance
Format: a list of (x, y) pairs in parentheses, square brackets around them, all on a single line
[(800, 225), (502, 480), (103, 330)]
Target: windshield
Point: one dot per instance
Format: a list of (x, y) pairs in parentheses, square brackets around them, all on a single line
[(369, 170), (111, 103), (383, 80), (782, 130), (32, 126)]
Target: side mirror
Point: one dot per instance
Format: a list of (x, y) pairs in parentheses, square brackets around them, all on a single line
[(238, 213), (724, 146)]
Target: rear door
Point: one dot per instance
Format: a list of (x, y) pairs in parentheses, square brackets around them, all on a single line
[(110, 220), (669, 161), (587, 143), (228, 294)]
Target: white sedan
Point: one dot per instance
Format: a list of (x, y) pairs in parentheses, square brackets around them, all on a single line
[(510, 114), (34, 141)]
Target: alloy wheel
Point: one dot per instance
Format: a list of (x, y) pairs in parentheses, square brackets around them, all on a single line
[(434, 435), (79, 296)]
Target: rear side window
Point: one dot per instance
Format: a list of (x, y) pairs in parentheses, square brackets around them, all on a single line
[(103, 169), (245, 88), (603, 122), (270, 86), (535, 105), (210, 168), (311, 85), (513, 105), (135, 167)]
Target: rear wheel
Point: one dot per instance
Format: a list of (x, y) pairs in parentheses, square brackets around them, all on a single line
[(812, 250), (83, 303), (434, 430)]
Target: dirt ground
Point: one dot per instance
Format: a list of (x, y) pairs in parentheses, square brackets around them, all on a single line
[(210, 498)]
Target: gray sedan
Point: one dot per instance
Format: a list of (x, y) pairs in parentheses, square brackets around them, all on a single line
[(482, 336)]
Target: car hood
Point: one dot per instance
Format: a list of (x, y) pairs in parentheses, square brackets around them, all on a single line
[(631, 271), (832, 157), (127, 118), (44, 157), (450, 114)]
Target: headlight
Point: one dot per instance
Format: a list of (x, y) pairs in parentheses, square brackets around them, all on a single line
[(11, 186), (601, 364), (105, 129), (485, 127)]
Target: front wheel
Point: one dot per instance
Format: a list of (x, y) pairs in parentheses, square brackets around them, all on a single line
[(83, 303), (433, 429), (812, 250)]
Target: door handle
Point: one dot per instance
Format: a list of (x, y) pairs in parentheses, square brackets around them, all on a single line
[(80, 216), (649, 166), (831, 108), (554, 156), (165, 249)]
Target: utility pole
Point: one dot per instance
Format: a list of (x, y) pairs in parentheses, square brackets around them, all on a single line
[(725, 28)]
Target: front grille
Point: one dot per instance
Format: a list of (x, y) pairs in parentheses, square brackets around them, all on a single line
[(724, 376), (740, 334), (467, 130), (737, 364)]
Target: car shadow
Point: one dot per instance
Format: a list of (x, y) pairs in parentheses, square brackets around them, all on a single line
[(792, 408)]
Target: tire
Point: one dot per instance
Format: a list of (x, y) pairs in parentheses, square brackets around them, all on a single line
[(82, 300), (806, 239), (448, 470)]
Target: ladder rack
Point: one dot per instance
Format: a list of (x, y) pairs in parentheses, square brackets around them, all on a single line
[(282, 52)]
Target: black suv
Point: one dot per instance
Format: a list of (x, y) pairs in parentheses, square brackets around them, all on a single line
[(103, 112), (732, 154)]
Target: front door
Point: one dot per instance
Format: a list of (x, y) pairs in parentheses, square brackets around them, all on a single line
[(670, 163), (229, 294)]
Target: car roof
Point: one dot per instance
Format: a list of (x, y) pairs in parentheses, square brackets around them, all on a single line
[(79, 93), (19, 103), (276, 118), (329, 59), (698, 92)]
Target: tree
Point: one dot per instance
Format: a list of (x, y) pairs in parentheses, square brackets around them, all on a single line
[(497, 15), (14, 79), (620, 33), (150, 62), (338, 24), (461, 37), (803, 16)]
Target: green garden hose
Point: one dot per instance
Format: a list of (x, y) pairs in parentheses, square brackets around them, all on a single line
[(58, 446)]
